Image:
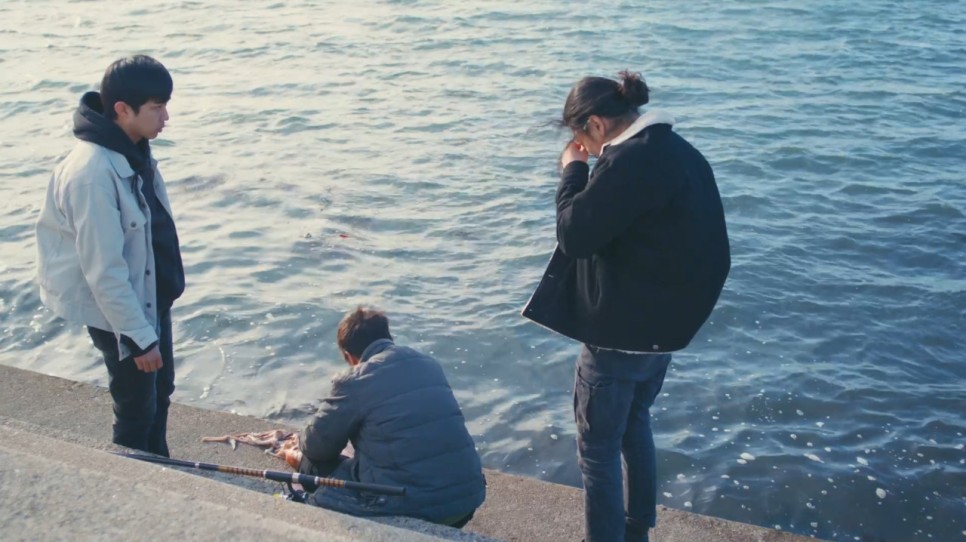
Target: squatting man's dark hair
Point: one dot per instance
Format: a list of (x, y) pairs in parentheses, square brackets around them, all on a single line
[(360, 328)]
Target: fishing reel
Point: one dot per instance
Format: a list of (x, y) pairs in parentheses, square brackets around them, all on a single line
[(295, 495)]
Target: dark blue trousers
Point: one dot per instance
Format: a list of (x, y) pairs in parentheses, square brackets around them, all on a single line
[(141, 400), (613, 394)]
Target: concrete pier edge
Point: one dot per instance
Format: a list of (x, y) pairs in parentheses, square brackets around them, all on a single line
[(56, 478)]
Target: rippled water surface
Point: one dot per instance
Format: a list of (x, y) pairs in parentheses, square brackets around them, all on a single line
[(324, 154)]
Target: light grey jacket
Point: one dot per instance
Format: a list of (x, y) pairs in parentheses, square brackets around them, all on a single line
[(95, 264)]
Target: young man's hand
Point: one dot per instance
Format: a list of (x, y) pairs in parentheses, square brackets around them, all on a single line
[(150, 361)]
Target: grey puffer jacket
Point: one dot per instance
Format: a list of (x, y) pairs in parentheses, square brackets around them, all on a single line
[(397, 409)]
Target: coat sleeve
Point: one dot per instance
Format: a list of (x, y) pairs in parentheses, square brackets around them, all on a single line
[(337, 419), (92, 211), (590, 214)]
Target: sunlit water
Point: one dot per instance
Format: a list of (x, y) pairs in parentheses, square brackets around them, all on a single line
[(322, 155)]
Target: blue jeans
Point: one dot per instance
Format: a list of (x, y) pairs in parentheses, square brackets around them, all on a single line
[(613, 393), (141, 400)]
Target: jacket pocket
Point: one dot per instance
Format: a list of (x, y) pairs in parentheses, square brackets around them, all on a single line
[(134, 219)]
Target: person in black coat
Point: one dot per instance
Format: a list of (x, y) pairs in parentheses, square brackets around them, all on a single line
[(641, 259)]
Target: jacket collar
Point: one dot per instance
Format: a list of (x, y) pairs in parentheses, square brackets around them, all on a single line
[(647, 119), (119, 163), (376, 347)]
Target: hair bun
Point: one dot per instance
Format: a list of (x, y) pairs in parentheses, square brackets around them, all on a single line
[(632, 88)]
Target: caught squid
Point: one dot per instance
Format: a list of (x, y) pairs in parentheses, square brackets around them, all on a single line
[(274, 442)]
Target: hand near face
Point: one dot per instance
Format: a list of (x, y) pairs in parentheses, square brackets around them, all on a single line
[(573, 152)]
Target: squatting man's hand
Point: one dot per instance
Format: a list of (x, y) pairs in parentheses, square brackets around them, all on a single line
[(293, 456)]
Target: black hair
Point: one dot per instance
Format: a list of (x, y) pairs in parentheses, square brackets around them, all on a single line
[(605, 98), (360, 328), (134, 80)]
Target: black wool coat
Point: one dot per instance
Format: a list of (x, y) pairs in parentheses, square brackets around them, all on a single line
[(642, 251)]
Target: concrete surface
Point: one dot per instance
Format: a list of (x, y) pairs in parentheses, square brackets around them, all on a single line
[(70, 492), (79, 414)]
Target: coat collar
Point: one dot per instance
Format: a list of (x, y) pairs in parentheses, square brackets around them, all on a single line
[(376, 347), (120, 163), (647, 119)]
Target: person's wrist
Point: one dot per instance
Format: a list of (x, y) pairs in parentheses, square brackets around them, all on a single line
[(574, 159)]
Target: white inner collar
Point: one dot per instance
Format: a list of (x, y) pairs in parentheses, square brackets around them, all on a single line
[(647, 119)]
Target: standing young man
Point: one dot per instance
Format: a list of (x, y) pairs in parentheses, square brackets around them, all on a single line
[(642, 256), (108, 252)]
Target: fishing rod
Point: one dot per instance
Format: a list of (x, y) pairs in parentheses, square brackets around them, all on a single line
[(277, 476)]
